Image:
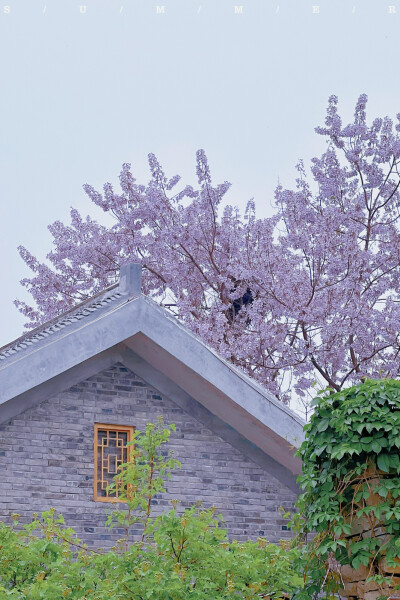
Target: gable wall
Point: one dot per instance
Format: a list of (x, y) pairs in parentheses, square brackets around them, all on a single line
[(46, 460)]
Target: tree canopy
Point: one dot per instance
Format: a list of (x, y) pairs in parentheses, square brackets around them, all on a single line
[(308, 294)]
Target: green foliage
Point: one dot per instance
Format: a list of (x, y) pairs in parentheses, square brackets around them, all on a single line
[(142, 477), (351, 483), (181, 554)]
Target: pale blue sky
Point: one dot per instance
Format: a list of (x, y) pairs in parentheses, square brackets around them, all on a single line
[(83, 93)]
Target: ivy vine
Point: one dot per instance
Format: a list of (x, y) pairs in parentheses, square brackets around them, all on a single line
[(350, 506)]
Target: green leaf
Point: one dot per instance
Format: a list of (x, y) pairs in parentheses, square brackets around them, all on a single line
[(383, 462)]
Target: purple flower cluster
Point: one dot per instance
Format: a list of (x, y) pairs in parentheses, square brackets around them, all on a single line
[(322, 273)]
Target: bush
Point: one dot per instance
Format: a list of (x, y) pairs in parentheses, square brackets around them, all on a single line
[(181, 554)]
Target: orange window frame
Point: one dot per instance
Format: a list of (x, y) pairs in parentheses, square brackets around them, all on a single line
[(129, 430)]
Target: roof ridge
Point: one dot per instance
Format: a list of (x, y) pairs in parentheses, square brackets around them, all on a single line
[(240, 371), (57, 320)]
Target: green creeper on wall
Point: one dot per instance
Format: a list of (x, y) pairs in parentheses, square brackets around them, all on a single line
[(351, 498)]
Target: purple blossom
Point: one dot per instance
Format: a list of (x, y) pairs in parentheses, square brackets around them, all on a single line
[(308, 295)]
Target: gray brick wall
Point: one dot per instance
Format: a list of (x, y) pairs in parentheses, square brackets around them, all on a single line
[(46, 460)]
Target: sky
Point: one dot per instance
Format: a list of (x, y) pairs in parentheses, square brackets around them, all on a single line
[(89, 85)]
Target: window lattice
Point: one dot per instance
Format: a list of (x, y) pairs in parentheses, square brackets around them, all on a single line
[(110, 452)]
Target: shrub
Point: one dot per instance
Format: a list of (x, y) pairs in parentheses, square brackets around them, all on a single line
[(181, 554)]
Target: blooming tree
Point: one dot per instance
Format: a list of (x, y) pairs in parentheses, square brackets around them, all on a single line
[(308, 295)]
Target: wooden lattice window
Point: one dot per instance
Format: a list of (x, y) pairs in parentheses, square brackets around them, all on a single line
[(110, 452)]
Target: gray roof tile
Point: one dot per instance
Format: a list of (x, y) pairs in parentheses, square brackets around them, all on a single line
[(74, 315)]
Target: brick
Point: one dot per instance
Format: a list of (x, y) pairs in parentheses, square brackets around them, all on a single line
[(48, 455)]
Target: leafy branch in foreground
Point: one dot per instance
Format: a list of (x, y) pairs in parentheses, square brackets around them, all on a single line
[(141, 478)]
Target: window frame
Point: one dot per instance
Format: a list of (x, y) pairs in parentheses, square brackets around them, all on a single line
[(129, 429)]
